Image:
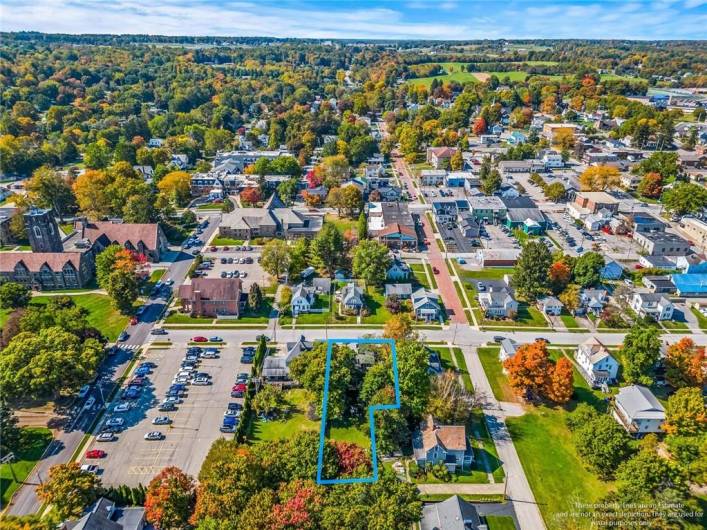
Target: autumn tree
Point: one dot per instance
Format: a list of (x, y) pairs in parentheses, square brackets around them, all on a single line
[(351, 457), (449, 402), (651, 185), (48, 189), (250, 196), (275, 257), (685, 413), (685, 364), (479, 126), (570, 298), (559, 275), (169, 499), (69, 489), (529, 369), (599, 178), (457, 161), (300, 506), (14, 295), (176, 185), (560, 385), (399, 327)]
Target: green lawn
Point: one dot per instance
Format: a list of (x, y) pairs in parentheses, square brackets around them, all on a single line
[(321, 302), (375, 301), (262, 316), (357, 434), (461, 364), (341, 223), (155, 276), (295, 422), (458, 76), (445, 356), (102, 315), (701, 319), (181, 318), (494, 372), (485, 453), (500, 522), (35, 441), (4, 314), (225, 242), (568, 320), (418, 271), (494, 273), (528, 317)]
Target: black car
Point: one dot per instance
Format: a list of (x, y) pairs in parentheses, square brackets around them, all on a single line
[(247, 359), (167, 407), (498, 338)]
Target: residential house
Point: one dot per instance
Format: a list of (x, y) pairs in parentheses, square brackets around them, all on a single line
[(498, 303), (552, 159), (592, 300), (612, 271), (392, 224), (105, 515), (638, 411), (555, 131), (390, 193), (452, 514), (659, 284), (654, 305), (425, 305), (596, 364), (468, 225), (212, 297), (516, 138), (550, 305), (180, 160), (446, 444), (439, 157), (402, 290), (696, 230), (508, 349), (432, 177), (523, 213), (147, 172), (352, 297), (302, 299), (277, 367), (155, 142), (398, 270)]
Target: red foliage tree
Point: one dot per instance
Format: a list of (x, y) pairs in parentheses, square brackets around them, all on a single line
[(169, 499), (351, 457), (479, 126), (251, 196), (301, 502), (559, 275), (314, 179)]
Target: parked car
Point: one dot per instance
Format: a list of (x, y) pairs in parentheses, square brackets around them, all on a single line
[(89, 468), (158, 331), (154, 435), (89, 403), (85, 389), (122, 407), (133, 321), (167, 406), (161, 420), (498, 338), (210, 353), (115, 422), (229, 424), (105, 437), (132, 392), (239, 390), (247, 359), (199, 338), (201, 381), (215, 339), (95, 453), (123, 336)]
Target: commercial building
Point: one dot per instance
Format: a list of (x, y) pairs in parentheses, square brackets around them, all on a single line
[(662, 243), (212, 297)]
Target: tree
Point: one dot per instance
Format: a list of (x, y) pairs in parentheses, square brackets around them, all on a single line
[(91, 190), (641, 350), (587, 269), (97, 155), (123, 288), (685, 413), (684, 198), (684, 364), (651, 185), (48, 189), (335, 199), (11, 433), (492, 182), (529, 369), (530, 276), (351, 200), (327, 248), (664, 163), (176, 185), (560, 385), (351, 457), (287, 190), (362, 227), (602, 444), (14, 295), (250, 196), (114, 257), (69, 490), (457, 161), (275, 257), (392, 431), (169, 499), (570, 298), (479, 126), (559, 275), (555, 192), (285, 297), (299, 256), (449, 402), (399, 327), (300, 505), (269, 400), (599, 178), (647, 475), (255, 298), (371, 261)]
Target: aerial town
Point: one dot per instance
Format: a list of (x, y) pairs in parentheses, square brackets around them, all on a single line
[(278, 284)]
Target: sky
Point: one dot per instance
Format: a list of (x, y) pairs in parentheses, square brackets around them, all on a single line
[(366, 19)]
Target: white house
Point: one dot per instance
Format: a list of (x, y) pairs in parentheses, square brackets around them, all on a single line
[(398, 270), (498, 303), (638, 411), (180, 160), (155, 142), (352, 297), (595, 362), (593, 300), (553, 159), (653, 305), (302, 300), (425, 304), (508, 349), (550, 305), (432, 177)]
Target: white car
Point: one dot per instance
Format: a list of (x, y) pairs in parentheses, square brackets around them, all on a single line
[(201, 381), (181, 379), (89, 468), (154, 435), (85, 389), (161, 420), (105, 437), (122, 407), (115, 422)]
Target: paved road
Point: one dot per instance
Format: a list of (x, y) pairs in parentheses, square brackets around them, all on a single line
[(518, 488), (448, 294), (61, 449)]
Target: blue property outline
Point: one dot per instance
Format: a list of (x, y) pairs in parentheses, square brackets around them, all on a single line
[(371, 410)]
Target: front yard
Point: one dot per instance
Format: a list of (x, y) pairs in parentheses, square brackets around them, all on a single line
[(35, 441), (226, 242), (294, 422), (528, 317), (494, 372)]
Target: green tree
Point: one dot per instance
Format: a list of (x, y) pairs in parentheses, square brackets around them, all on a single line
[(97, 155), (327, 248), (684, 198), (299, 256), (602, 444), (371, 261), (362, 227), (11, 433), (685, 413), (555, 192), (530, 276), (413, 377), (275, 257), (69, 490), (287, 190), (255, 298), (647, 475), (641, 350), (270, 399), (392, 431), (14, 295), (48, 189), (123, 288), (587, 269), (492, 182)]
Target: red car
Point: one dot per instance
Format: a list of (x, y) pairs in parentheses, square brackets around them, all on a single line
[(133, 321), (226, 248), (239, 390), (213, 249), (435, 270), (95, 453), (200, 339)]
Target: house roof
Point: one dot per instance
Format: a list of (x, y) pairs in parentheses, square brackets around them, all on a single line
[(398, 289), (397, 228), (35, 260), (549, 301), (690, 283), (124, 232), (423, 296), (450, 437), (212, 288), (452, 514), (595, 350), (640, 403)]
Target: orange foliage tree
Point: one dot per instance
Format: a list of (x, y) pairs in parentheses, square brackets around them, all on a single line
[(169, 498), (529, 369), (479, 126), (559, 275), (685, 364), (560, 384)]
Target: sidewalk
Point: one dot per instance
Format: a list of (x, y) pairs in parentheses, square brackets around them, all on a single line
[(461, 489)]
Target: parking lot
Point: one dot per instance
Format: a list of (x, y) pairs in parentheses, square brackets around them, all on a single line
[(194, 425), (497, 238), (254, 272)]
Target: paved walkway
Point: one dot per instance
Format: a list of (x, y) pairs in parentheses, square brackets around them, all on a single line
[(518, 489), (461, 489)]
